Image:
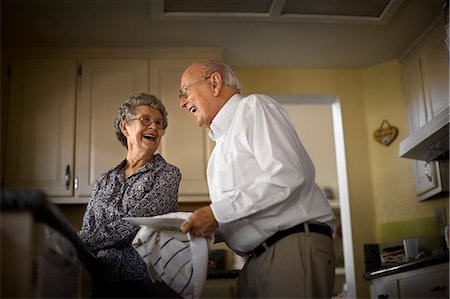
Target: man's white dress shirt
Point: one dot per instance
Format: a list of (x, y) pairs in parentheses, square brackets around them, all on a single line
[(260, 177)]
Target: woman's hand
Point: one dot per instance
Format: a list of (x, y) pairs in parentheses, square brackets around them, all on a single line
[(201, 223)]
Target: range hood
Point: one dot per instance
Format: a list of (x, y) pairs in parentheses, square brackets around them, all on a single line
[(429, 142)]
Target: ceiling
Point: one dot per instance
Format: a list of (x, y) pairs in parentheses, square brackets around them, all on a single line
[(252, 33), (336, 11)]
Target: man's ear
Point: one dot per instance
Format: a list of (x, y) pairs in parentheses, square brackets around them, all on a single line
[(123, 128), (216, 81)]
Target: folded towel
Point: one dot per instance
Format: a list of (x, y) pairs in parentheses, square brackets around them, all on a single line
[(176, 258)]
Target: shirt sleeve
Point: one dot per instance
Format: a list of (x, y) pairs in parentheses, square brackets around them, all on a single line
[(89, 225), (268, 136)]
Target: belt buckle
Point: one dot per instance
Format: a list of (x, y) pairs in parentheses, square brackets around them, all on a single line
[(255, 253)]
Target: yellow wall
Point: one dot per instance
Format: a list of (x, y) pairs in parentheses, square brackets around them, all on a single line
[(398, 214), (394, 199), (380, 184)]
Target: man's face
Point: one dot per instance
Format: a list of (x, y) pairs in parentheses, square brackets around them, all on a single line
[(196, 96)]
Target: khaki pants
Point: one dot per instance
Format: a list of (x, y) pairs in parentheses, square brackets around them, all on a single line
[(301, 265)]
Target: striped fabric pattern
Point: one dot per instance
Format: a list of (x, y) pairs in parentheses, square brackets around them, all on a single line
[(175, 258)]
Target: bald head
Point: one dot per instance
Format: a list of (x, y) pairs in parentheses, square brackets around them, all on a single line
[(205, 88), (207, 67)]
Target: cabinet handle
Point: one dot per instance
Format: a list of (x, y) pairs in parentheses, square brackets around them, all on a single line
[(437, 288), (426, 172), (67, 177), (75, 183)]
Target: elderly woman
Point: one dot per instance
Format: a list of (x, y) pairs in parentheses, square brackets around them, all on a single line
[(142, 185)]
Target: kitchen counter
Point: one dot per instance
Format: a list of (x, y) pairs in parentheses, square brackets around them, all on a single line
[(412, 265)]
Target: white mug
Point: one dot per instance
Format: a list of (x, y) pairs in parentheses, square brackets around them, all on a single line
[(411, 247)]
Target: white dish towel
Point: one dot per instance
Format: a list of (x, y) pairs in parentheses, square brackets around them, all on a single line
[(174, 257)]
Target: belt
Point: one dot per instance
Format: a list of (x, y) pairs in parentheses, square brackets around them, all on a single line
[(299, 228)]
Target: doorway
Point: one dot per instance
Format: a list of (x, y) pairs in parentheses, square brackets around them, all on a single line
[(320, 115)]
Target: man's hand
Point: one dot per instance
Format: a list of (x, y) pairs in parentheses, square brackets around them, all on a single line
[(201, 223)]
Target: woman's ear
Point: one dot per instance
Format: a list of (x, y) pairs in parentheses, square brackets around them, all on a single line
[(123, 128)]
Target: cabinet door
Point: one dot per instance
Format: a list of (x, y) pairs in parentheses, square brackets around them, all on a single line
[(426, 81), (415, 104), (105, 85), (385, 289), (41, 125), (427, 178), (430, 285), (184, 144), (426, 175), (434, 59)]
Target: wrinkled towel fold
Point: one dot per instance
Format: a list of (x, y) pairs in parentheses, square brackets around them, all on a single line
[(174, 257)]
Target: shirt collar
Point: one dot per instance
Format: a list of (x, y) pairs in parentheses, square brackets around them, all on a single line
[(156, 160), (223, 118)]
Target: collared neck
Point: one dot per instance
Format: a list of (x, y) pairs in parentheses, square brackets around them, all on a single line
[(222, 120), (119, 170)]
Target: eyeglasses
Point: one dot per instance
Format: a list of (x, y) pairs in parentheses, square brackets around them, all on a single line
[(184, 92), (146, 121)]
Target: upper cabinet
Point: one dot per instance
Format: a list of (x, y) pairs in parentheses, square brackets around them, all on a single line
[(184, 144), (425, 69), (426, 77), (40, 143), (104, 86), (434, 62), (60, 135)]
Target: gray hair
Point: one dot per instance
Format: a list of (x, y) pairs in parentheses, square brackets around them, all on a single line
[(127, 112), (228, 76)]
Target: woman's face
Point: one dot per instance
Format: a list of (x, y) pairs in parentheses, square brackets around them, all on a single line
[(144, 130)]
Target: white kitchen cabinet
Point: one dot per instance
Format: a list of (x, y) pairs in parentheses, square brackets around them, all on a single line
[(425, 71), (184, 144), (62, 105), (427, 282), (434, 63), (385, 289), (41, 125), (104, 85), (60, 133), (430, 178)]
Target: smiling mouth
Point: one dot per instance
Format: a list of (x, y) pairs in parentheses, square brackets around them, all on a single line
[(150, 137)]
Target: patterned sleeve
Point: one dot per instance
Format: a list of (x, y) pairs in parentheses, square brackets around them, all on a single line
[(88, 227)]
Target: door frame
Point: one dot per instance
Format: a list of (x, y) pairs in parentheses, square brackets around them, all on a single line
[(344, 199)]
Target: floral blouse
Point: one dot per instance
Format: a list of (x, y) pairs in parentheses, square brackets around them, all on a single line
[(152, 190)]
